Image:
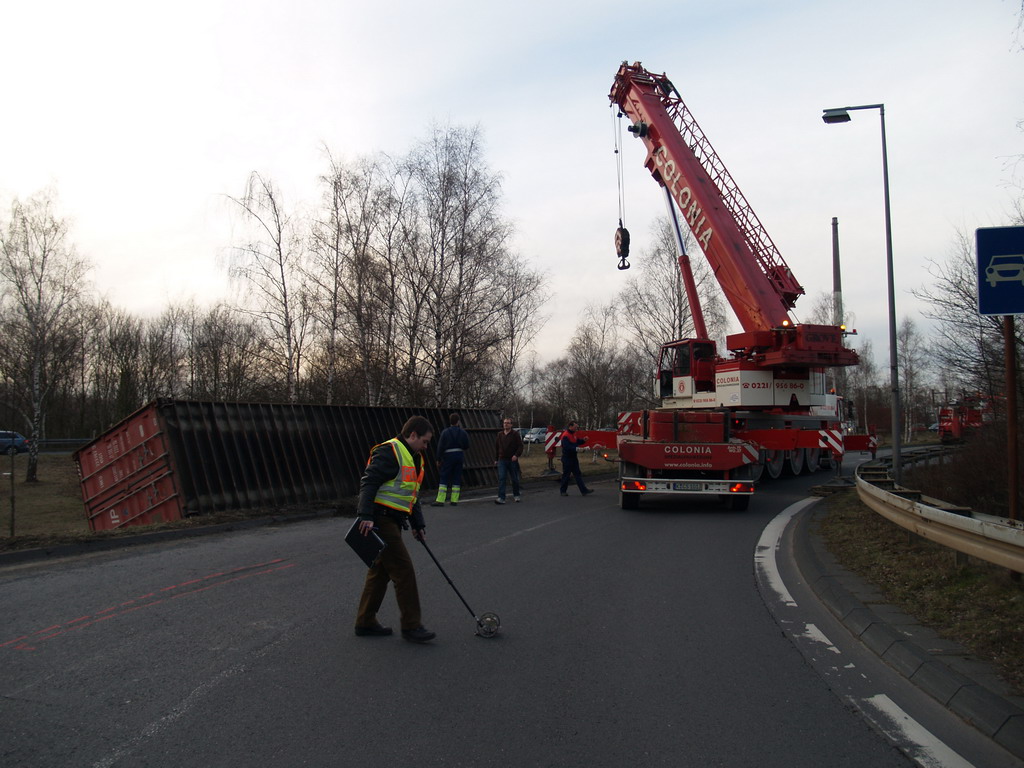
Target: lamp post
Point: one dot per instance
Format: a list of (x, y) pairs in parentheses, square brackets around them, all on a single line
[(842, 115)]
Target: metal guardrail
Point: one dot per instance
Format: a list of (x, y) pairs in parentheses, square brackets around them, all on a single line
[(994, 539)]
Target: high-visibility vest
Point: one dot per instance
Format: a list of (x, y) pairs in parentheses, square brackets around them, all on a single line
[(400, 493)]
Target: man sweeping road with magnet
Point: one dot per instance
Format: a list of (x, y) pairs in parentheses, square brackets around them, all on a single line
[(388, 502)]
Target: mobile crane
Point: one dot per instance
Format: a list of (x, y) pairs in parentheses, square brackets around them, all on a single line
[(724, 421)]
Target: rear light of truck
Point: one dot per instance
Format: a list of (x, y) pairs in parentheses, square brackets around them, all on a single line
[(633, 485)]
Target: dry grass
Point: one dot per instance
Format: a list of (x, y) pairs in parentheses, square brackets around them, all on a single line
[(978, 605), (534, 463), (50, 507)]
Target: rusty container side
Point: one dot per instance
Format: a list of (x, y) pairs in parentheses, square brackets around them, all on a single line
[(176, 458), (127, 476)]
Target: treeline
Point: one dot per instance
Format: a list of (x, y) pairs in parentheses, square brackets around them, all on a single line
[(401, 287)]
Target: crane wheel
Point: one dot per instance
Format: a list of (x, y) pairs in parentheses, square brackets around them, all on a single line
[(773, 463), (812, 462), (795, 461)]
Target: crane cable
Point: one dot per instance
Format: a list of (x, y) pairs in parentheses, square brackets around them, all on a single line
[(621, 234)]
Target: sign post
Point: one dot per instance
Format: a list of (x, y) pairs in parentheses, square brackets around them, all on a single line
[(1001, 292)]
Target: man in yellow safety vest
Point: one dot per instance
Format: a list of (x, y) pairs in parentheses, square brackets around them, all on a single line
[(388, 502)]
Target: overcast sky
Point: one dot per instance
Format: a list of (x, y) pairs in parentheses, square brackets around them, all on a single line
[(143, 116)]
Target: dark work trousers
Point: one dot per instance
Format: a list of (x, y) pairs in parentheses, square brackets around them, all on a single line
[(395, 565), (571, 468)]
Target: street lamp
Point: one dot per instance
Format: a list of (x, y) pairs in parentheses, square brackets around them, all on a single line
[(842, 115)]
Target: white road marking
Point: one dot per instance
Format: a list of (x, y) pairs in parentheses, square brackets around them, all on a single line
[(767, 547), (811, 632), (920, 744), (901, 728)]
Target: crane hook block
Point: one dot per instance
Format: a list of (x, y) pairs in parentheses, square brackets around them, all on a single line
[(622, 246)]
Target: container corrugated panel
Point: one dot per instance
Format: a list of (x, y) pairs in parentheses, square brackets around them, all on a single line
[(127, 476), (223, 456)]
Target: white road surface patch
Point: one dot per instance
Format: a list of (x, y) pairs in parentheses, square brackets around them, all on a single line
[(811, 632), (930, 752), (768, 546)]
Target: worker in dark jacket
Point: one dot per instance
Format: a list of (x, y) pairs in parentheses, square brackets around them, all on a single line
[(571, 460), (451, 451), (388, 503), (508, 447)]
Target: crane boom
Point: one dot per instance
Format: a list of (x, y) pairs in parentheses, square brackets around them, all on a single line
[(725, 422), (756, 281)]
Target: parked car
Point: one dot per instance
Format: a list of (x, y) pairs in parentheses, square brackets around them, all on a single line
[(536, 435), (12, 442)]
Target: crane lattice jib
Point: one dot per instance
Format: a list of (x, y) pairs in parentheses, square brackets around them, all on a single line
[(755, 278), (757, 237)]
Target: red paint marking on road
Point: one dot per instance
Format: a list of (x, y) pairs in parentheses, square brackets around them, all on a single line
[(97, 621), (113, 612), (237, 578)]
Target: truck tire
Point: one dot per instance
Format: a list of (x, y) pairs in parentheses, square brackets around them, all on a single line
[(795, 461), (773, 463), (812, 462)]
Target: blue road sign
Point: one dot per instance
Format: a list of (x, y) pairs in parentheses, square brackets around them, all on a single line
[(1001, 271)]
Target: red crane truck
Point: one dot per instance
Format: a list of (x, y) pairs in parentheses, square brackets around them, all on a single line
[(765, 407)]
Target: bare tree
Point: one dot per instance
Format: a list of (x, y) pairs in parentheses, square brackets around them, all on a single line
[(862, 380), (595, 366), (969, 346), (478, 297), (223, 353), (914, 365), (358, 258), (654, 306), (270, 266), (41, 285)]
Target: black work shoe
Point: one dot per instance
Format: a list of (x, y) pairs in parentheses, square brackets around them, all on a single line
[(375, 631), (589, 490), (564, 493), (419, 635), (437, 503), (453, 503)]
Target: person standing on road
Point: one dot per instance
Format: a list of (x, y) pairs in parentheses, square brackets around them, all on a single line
[(388, 502), (571, 460), (451, 448), (508, 447)]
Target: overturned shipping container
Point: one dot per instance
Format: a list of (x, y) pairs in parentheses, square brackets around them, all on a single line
[(176, 458)]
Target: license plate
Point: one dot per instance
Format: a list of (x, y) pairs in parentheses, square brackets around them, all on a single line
[(685, 486)]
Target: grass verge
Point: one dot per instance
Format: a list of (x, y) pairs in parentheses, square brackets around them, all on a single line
[(978, 605)]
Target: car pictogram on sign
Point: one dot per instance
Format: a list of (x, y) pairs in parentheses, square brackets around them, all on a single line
[(1005, 268)]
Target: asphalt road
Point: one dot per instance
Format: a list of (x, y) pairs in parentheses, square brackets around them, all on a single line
[(627, 639)]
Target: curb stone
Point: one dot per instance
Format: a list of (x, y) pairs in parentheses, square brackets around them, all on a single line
[(894, 639)]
